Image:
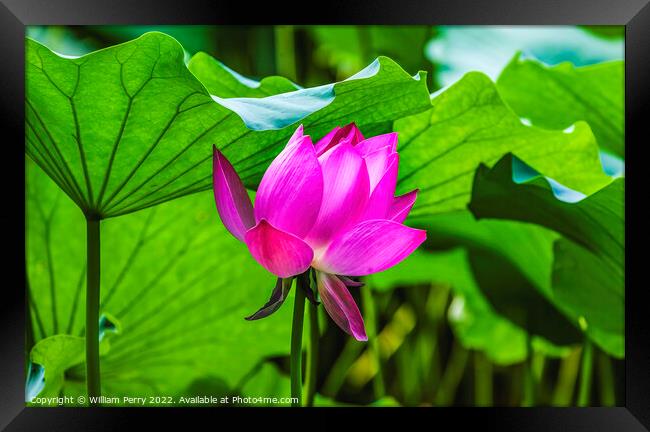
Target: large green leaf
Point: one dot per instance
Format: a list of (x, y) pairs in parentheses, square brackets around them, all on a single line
[(597, 221), (469, 124), (587, 280), (592, 289), (373, 98), (557, 96), (128, 127), (177, 281)]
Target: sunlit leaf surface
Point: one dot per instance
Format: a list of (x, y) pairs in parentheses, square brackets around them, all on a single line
[(556, 97)]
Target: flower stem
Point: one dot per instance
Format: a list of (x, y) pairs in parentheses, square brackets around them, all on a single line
[(563, 392), (606, 379), (92, 308), (529, 398), (451, 378), (482, 380), (584, 390), (312, 355), (285, 62), (296, 344)]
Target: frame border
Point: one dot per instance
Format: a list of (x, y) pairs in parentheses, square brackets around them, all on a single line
[(16, 14)]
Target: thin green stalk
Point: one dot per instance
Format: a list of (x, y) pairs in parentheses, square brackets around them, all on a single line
[(528, 399), (606, 380), (370, 317), (586, 366), (285, 56), (567, 375), (537, 365), (436, 308), (92, 308), (365, 43), (296, 344), (482, 380), (530, 393), (339, 369), (312, 355), (452, 376)]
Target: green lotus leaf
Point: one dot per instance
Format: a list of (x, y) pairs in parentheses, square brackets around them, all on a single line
[(597, 222), (129, 126), (558, 96), (468, 124)]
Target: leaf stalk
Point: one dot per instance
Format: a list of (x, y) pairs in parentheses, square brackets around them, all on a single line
[(296, 344), (93, 383)]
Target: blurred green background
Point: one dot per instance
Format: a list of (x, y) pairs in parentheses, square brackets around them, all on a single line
[(436, 338)]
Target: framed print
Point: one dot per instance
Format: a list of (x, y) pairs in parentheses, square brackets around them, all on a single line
[(385, 209)]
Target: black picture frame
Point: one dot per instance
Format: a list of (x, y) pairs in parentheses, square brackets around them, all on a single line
[(16, 14)]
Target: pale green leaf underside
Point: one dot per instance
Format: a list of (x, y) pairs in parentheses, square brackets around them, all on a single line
[(129, 126), (177, 281), (557, 96), (469, 124)]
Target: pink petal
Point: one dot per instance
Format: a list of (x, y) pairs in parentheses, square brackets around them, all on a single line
[(349, 282), (340, 305), (382, 195), (297, 135), (350, 133), (370, 247), (354, 134), (291, 190), (324, 143), (345, 193), (233, 204), (281, 253), (375, 143), (401, 206)]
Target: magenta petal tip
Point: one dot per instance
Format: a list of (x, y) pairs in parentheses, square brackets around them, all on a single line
[(402, 205), (233, 204), (281, 253), (340, 305), (381, 243)]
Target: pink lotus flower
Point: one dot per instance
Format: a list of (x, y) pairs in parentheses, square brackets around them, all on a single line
[(329, 206)]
